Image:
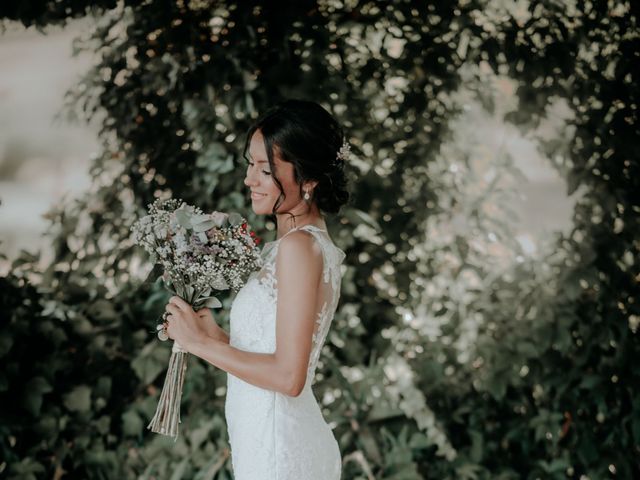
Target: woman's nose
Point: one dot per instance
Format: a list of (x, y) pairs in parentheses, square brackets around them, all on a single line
[(248, 180)]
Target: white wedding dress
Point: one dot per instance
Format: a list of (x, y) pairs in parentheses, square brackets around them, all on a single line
[(274, 436)]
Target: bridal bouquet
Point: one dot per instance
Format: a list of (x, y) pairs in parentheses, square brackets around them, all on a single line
[(199, 253)]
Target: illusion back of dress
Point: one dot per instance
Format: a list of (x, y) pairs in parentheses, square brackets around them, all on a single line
[(329, 290), (272, 435)]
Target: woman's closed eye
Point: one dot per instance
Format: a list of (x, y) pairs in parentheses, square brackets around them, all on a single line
[(263, 171)]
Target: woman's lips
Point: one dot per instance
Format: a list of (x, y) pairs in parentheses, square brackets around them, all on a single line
[(256, 196)]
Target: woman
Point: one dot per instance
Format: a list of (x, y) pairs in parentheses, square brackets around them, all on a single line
[(279, 320)]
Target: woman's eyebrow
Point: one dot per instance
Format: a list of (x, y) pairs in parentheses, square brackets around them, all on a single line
[(259, 161)]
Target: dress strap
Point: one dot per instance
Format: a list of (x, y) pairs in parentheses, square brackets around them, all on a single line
[(302, 227), (332, 255)]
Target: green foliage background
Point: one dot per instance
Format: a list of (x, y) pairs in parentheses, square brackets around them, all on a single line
[(543, 385)]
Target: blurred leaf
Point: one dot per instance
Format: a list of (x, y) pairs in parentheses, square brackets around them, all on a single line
[(78, 399), (151, 361)]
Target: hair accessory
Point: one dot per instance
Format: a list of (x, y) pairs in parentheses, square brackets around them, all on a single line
[(344, 152)]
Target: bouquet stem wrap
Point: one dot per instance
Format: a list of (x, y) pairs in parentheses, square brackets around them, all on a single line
[(167, 416)]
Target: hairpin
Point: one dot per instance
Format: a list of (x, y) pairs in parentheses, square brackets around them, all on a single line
[(344, 152)]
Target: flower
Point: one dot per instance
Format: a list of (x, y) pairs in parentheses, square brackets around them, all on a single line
[(344, 152)]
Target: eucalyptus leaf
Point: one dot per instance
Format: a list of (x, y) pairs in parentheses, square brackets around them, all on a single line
[(213, 302), (200, 218), (184, 218), (234, 218), (204, 226), (220, 284)]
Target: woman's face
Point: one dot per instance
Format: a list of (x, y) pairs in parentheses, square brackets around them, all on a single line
[(259, 179)]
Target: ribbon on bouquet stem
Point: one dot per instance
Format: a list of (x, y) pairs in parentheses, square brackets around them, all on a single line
[(167, 416)]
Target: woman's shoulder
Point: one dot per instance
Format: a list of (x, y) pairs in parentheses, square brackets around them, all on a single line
[(298, 258), (300, 247)]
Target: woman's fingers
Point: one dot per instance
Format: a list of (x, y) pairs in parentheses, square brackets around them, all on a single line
[(179, 302), (172, 309)]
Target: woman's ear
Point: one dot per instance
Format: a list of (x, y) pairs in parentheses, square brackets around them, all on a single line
[(311, 184)]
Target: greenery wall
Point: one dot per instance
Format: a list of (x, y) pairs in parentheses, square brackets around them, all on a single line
[(440, 364)]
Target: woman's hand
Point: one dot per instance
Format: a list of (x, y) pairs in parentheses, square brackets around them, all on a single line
[(184, 325), (210, 325)]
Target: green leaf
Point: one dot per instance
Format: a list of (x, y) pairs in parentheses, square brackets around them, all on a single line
[(204, 226), (497, 387), (132, 424), (179, 470), (6, 341), (103, 387), (200, 434), (360, 217), (477, 444), (33, 391), (151, 361), (234, 218), (200, 218), (79, 399), (589, 381), (528, 349), (184, 218), (213, 302), (26, 469)]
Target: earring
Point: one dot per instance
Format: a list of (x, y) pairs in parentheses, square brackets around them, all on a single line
[(306, 195)]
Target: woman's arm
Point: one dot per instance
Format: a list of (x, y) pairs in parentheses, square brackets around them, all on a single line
[(223, 336), (210, 326), (260, 369), (298, 272)]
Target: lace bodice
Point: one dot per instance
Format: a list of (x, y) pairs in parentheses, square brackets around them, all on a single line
[(274, 436), (329, 294)]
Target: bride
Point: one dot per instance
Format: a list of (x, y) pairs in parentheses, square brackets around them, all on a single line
[(280, 318)]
